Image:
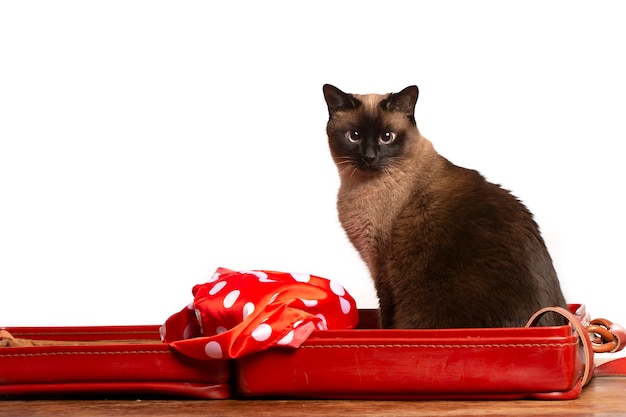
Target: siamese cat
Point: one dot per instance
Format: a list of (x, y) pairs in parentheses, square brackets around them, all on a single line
[(445, 247)]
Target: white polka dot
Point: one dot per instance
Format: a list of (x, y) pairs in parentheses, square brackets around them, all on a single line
[(262, 276), (323, 325), (287, 339), (190, 306), (190, 331), (213, 350), (231, 298), (345, 305), (296, 324), (217, 288), (162, 332), (337, 288), (262, 333), (248, 309), (215, 277), (274, 298), (220, 330), (309, 303), (301, 277)]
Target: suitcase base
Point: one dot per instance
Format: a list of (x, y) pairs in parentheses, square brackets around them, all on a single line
[(501, 363)]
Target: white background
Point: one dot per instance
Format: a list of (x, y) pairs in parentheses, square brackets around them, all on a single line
[(145, 143)]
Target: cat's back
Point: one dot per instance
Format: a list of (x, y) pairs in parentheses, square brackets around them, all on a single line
[(470, 243), (459, 208), (464, 195)]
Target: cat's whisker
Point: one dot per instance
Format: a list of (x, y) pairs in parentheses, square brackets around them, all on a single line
[(346, 166), (344, 160), (349, 170), (389, 171), (354, 169)]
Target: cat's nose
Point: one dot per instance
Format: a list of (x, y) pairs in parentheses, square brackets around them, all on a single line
[(370, 158)]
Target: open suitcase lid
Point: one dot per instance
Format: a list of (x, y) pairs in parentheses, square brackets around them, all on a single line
[(106, 360)]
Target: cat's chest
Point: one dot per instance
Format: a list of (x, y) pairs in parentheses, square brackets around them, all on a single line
[(367, 213)]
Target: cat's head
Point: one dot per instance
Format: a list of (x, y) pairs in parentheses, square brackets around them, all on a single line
[(370, 132)]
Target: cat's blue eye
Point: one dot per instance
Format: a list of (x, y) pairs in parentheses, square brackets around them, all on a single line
[(353, 136), (386, 138)]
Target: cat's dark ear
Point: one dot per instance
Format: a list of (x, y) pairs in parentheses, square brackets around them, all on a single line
[(404, 101), (337, 100)]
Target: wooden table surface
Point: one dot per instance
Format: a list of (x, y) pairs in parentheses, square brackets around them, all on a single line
[(602, 397)]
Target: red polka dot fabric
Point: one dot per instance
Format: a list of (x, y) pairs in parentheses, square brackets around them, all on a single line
[(240, 312)]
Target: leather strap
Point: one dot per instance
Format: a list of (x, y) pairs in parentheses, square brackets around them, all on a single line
[(606, 336), (613, 367), (579, 329)]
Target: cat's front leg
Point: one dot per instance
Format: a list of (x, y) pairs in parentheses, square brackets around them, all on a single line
[(386, 304)]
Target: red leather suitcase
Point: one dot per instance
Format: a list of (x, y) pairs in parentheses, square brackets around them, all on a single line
[(107, 360), (510, 363)]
